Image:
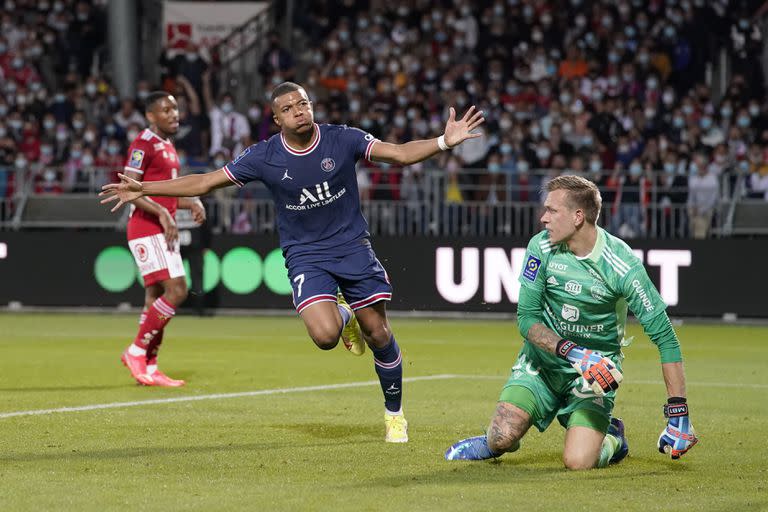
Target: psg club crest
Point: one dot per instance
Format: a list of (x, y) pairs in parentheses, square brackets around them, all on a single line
[(328, 164)]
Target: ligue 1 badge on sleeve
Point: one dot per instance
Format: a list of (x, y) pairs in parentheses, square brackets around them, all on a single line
[(531, 268), (328, 164), (137, 157), (242, 154)]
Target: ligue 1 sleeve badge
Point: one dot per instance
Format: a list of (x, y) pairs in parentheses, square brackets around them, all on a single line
[(531, 268), (327, 164)]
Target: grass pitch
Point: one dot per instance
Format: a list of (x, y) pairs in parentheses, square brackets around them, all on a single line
[(309, 435)]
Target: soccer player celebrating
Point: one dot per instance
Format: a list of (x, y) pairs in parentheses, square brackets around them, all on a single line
[(577, 283), (154, 238), (310, 171)]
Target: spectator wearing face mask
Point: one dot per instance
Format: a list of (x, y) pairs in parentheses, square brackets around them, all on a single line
[(72, 166), (703, 196), (188, 64), (20, 71), (48, 182), (230, 130), (128, 115), (87, 177), (629, 219), (277, 60), (93, 102)]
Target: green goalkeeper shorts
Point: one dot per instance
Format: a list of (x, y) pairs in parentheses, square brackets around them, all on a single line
[(547, 391)]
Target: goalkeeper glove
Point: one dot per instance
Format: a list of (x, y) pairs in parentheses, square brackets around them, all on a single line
[(599, 371), (679, 436)]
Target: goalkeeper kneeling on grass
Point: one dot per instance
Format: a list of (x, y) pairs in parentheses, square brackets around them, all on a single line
[(577, 283)]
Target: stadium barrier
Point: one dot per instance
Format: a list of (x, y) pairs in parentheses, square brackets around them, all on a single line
[(444, 274), (396, 203)]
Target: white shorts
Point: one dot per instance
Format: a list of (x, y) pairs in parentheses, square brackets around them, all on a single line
[(156, 263)]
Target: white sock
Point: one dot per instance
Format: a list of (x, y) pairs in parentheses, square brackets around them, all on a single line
[(136, 350)]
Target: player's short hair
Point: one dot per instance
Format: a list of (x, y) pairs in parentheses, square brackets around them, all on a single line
[(153, 97), (284, 88), (581, 193)]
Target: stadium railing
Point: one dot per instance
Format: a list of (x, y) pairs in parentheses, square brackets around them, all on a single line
[(394, 202), (239, 54)]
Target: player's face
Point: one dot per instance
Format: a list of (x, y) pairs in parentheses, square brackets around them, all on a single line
[(293, 112), (165, 115), (559, 218)]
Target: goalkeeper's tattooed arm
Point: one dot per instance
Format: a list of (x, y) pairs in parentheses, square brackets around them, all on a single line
[(599, 372), (543, 337)]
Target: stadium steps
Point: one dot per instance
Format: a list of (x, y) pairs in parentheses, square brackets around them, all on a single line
[(750, 217), (69, 211)]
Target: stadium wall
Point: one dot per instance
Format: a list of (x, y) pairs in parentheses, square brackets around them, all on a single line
[(95, 269)]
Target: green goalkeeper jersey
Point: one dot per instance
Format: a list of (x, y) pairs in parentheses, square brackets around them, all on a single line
[(585, 299)]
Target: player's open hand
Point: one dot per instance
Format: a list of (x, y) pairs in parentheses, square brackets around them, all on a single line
[(459, 130), (125, 191)]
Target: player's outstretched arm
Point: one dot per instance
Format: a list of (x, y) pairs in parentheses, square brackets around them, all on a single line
[(679, 435), (128, 189), (456, 132)]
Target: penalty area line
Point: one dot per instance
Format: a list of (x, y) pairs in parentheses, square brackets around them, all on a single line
[(216, 396)]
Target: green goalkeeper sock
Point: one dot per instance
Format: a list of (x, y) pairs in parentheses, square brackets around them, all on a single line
[(610, 444)]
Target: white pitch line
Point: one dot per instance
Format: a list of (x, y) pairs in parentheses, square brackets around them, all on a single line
[(118, 405), (630, 382), (325, 387)]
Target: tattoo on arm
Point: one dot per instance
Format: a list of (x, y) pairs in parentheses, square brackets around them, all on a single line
[(543, 337)]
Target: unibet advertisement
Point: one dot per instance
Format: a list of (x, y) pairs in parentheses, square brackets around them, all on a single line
[(694, 278)]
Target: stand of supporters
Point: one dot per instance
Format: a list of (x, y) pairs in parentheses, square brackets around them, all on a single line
[(614, 90)]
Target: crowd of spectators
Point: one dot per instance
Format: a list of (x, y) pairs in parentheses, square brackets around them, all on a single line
[(616, 90)]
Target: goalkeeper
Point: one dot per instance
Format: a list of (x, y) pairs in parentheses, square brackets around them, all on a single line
[(576, 286)]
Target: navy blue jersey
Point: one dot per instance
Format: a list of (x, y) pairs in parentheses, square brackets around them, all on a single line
[(314, 190)]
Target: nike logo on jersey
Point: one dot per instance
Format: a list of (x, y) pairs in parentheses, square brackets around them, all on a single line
[(286, 177)]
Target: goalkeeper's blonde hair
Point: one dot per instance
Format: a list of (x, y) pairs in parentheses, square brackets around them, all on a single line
[(581, 193)]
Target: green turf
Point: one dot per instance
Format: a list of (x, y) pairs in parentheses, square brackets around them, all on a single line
[(324, 449)]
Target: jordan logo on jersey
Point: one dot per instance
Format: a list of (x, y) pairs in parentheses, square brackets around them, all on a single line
[(286, 177)]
